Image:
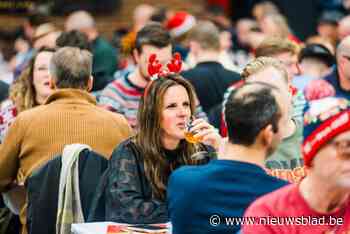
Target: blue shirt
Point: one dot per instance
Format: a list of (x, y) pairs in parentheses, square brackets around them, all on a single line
[(222, 187)]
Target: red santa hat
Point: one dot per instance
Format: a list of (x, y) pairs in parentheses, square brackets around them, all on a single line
[(180, 23)]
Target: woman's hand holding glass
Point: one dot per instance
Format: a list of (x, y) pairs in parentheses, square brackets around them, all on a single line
[(199, 130)]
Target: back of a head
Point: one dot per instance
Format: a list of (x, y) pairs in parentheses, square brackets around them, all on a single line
[(261, 63), (79, 20), (153, 34), (317, 53), (276, 45), (206, 34), (71, 67), (73, 38), (250, 109)]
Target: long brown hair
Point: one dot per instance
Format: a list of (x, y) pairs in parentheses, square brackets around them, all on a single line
[(23, 92), (148, 138)]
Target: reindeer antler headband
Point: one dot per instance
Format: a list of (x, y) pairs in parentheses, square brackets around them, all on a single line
[(155, 68)]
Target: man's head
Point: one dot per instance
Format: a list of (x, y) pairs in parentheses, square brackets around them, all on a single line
[(205, 36), (344, 27), (152, 39), (327, 25), (83, 22), (343, 58), (33, 20), (271, 71), (45, 35), (73, 38), (253, 117), (315, 60), (71, 67), (326, 146), (283, 49)]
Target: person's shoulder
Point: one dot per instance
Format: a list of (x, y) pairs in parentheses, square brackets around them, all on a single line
[(231, 73), (124, 149), (104, 45), (332, 76), (33, 112), (277, 200), (188, 174)]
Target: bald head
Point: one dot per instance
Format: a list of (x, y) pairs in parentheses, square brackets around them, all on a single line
[(344, 27), (344, 47), (79, 20)]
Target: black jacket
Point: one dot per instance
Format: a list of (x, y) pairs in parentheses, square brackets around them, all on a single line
[(43, 186), (4, 90), (210, 81), (125, 194)]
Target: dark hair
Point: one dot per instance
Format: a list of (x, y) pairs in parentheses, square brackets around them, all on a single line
[(37, 18), (71, 67), (73, 38), (159, 14), (248, 110), (318, 52), (153, 34)]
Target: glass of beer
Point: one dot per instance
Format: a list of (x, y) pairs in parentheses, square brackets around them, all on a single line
[(189, 135)]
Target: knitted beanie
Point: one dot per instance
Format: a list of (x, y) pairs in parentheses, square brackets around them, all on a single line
[(324, 119)]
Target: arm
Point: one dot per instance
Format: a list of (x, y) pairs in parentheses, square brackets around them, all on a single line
[(9, 150), (126, 200), (110, 98)]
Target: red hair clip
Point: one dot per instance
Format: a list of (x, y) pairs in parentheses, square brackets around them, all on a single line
[(155, 70)]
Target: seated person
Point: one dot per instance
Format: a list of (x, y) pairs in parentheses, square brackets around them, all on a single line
[(320, 202), (198, 198), (136, 188)]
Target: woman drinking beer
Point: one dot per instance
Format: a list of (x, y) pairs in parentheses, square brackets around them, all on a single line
[(136, 191)]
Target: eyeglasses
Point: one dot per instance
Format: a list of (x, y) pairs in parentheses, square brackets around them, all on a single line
[(342, 147)]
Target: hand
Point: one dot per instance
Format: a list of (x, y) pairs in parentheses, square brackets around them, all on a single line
[(206, 132)]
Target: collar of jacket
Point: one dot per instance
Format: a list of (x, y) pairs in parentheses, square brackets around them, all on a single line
[(71, 95)]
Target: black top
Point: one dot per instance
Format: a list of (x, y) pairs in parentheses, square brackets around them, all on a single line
[(129, 197), (210, 80), (4, 90)]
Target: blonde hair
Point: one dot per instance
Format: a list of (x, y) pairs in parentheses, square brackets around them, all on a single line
[(261, 63), (271, 46), (281, 24)]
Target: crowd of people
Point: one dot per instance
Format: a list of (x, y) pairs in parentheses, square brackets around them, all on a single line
[(182, 119)]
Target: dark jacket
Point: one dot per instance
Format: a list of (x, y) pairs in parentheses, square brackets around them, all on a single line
[(126, 192), (210, 81), (333, 79), (104, 63), (4, 91), (43, 186)]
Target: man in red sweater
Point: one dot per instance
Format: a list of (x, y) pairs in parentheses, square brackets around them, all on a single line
[(320, 203)]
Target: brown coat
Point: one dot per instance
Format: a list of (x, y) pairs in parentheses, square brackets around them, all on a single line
[(37, 135)]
